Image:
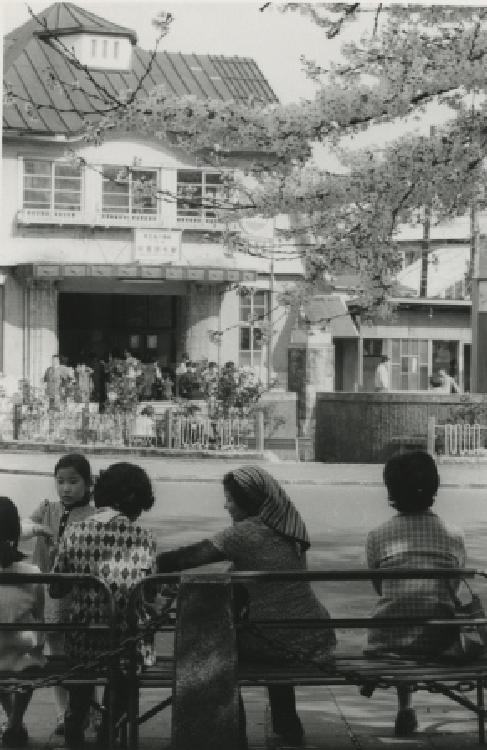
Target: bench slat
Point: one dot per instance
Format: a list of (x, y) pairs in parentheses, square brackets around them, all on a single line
[(399, 670)]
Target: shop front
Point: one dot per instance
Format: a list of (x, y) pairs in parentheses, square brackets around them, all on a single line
[(85, 312), (424, 338)]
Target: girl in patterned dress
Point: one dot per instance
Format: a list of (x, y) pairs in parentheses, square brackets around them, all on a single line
[(109, 544), (413, 538), (48, 522)]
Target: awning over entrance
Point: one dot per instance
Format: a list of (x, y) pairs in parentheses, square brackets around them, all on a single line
[(330, 308), (55, 271)]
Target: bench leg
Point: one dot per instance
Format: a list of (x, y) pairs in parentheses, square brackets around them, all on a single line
[(481, 711), (133, 714), (111, 705)]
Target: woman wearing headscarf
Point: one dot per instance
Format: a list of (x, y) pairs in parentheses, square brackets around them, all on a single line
[(267, 533)]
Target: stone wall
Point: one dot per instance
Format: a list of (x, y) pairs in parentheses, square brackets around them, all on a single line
[(359, 427)]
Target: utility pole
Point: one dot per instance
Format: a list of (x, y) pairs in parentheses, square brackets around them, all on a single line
[(425, 252), (271, 305), (478, 373)]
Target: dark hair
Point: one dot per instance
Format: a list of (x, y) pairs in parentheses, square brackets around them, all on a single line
[(245, 501), (384, 358), (81, 465), (412, 481), (436, 381), (124, 487), (9, 533)]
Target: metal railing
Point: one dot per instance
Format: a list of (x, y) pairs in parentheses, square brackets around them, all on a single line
[(207, 434), (464, 439), (50, 216), (77, 424), (204, 673), (102, 671)]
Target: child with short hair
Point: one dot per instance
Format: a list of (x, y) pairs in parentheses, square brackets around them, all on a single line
[(415, 537), (114, 546), (19, 649), (72, 474)]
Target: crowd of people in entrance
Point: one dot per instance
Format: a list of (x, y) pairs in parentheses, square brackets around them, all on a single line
[(98, 528), (122, 379)]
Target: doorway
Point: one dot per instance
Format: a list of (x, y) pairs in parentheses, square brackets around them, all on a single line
[(99, 324)]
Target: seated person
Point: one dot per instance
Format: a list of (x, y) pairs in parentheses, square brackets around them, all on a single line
[(21, 649), (117, 549), (413, 538), (267, 533)]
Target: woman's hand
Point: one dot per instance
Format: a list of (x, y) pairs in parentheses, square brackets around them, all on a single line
[(40, 529)]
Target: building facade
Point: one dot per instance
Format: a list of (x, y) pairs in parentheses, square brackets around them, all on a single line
[(102, 250), (431, 328)]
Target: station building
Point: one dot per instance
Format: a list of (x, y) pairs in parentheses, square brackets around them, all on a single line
[(92, 264)]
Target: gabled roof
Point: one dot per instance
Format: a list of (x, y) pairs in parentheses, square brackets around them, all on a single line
[(60, 18), (28, 58)]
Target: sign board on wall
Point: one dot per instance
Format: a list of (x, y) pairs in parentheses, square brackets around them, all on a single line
[(157, 246)]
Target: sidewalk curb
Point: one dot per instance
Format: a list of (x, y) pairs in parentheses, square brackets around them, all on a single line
[(291, 481), (144, 452)]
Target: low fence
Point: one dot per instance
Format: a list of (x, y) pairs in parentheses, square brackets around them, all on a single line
[(82, 426), (461, 439)]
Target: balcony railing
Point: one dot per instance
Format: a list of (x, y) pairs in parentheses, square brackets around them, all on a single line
[(112, 219), (199, 222), (49, 216), (119, 219)]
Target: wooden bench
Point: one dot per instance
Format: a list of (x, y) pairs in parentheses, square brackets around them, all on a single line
[(453, 680), (204, 675)]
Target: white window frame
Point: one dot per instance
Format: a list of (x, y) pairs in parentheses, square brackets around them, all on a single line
[(253, 325), (53, 212), (198, 214), (116, 215), (387, 349), (406, 355)]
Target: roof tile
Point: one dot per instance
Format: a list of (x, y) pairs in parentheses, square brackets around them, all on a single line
[(27, 57)]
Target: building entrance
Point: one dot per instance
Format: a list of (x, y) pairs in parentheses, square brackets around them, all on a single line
[(96, 325)]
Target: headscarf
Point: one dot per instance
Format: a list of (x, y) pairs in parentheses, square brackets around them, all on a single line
[(257, 492)]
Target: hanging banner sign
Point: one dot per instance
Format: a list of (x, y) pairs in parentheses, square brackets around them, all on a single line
[(156, 246)]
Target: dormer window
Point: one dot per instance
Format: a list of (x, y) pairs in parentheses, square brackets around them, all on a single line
[(102, 51), (95, 41)]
